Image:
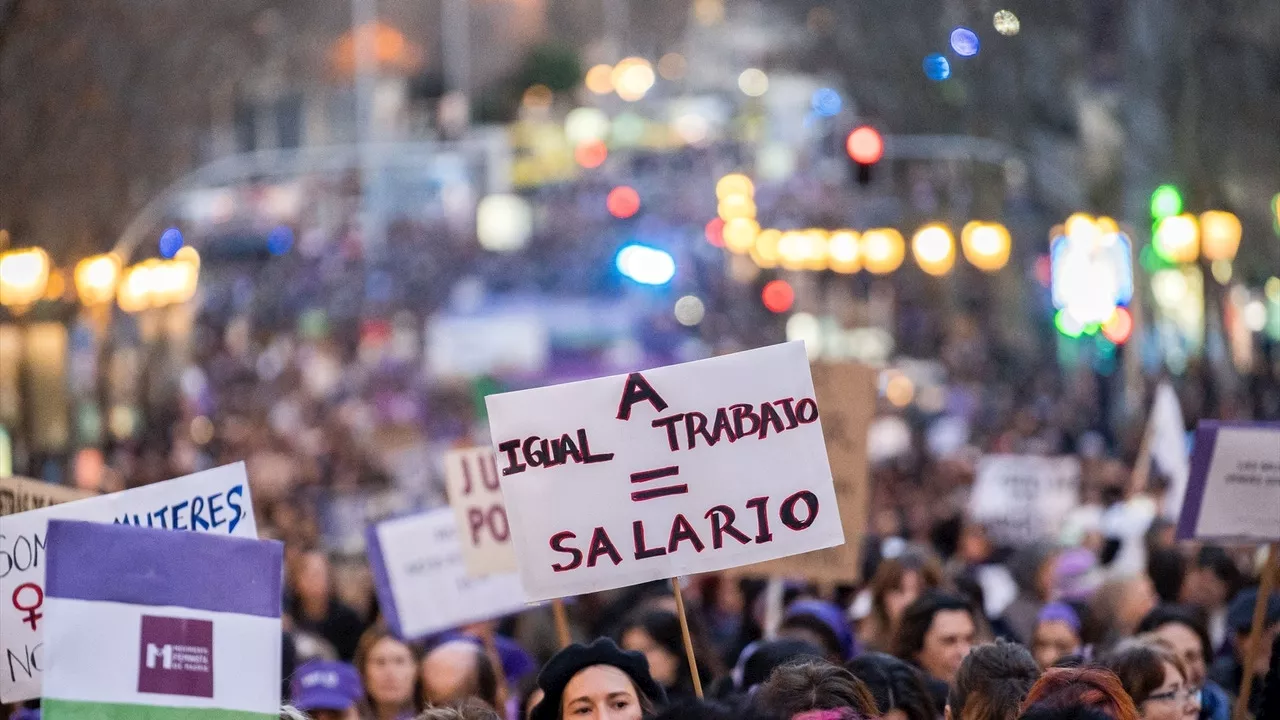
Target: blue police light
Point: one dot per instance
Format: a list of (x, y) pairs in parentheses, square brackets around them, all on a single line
[(826, 102), (646, 265), (170, 242), (280, 240)]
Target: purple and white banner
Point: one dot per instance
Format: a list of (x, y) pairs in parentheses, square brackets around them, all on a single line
[(1233, 492)]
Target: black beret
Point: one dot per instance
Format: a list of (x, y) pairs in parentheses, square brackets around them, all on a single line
[(561, 668)]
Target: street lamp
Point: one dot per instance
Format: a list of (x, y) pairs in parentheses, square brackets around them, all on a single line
[(882, 250), (96, 279), (985, 245), (1220, 233), (934, 248), (24, 275), (1177, 238)]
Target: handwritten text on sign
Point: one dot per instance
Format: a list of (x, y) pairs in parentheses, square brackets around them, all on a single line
[(214, 501), (683, 469), (471, 477), (1233, 492)]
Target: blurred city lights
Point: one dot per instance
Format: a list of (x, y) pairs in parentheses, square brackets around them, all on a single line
[(689, 310), (765, 251), (280, 240), (591, 154), (899, 390), (96, 278), (753, 82), (672, 66), (537, 97), (986, 245), (965, 42), (646, 265), (826, 102), (736, 206), (1166, 201), (740, 234), (504, 222), (843, 251), (714, 232), (24, 276), (934, 248), (691, 127), (628, 129), (936, 67), (883, 250), (1272, 289), (1221, 270), (1006, 23), (632, 78), (1118, 327), (188, 254), (865, 145), (807, 329), (599, 79), (586, 123), (734, 184), (1177, 238), (1255, 315), (170, 242), (1169, 287), (1068, 324), (708, 12), (778, 296), (1220, 233), (623, 202), (1091, 271)]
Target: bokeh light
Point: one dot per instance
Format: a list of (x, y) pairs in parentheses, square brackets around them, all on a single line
[(736, 206), (599, 79), (765, 251), (646, 265), (1006, 23), (936, 67), (734, 184), (591, 154), (170, 242), (883, 250), (96, 278), (934, 249), (1118, 327), (740, 234), (714, 232), (807, 329), (280, 240), (826, 102), (586, 123), (986, 245), (865, 145), (692, 128), (537, 97), (632, 78), (778, 296), (753, 82), (623, 202), (672, 66), (503, 222), (843, 251), (1166, 201), (689, 310), (899, 390), (965, 42), (1177, 239), (708, 12), (1220, 233), (24, 276)]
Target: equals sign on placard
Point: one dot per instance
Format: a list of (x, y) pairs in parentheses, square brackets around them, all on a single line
[(647, 475)]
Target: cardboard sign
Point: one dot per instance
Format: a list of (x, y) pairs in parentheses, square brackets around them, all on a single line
[(683, 469), (214, 501), (471, 477), (18, 495), (846, 395), (147, 623), (1233, 493), (422, 582), (1022, 498)]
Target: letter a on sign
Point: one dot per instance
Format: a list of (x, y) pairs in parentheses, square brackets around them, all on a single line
[(636, 390)]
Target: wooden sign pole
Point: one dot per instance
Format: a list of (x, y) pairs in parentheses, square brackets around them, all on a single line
[(563, 635), (1268, 584), (495, 658), (688, 642)]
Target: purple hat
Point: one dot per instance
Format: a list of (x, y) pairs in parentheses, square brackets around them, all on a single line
[(26, 714), (326, 685), (1060, 612)]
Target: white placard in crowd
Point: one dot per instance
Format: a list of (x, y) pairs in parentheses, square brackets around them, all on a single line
[(215, 501), (683, 469), (471, 477), (1022, 498), (422, 582), (1233, 493)]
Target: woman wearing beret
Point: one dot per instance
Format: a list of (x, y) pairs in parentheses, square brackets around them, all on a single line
[(599, 681)]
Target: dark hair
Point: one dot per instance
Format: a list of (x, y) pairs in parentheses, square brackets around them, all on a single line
[(1086, 687), (1166, 567), (992, 682), (368, 640), (1042, 712), (484, 682), (918, 617), (1189, 617), (769, 655), (692, 709), (812, 685), (467, 709), (895, 685), (1216, 559), (888, 578), (1140, 667), (664, 627)]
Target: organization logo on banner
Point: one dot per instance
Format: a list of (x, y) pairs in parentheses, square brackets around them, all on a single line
[(176, 656)]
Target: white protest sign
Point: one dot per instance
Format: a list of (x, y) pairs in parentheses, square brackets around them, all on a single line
[(471, 477), (422, 582), (1233, 493), (215, 501), (683, 469), (1021, 498)]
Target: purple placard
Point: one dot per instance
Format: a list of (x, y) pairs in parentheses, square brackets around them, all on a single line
[(1206, 438), (382, 581), (176, 656)]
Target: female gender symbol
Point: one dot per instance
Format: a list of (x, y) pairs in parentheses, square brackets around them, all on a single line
[(32, 615)]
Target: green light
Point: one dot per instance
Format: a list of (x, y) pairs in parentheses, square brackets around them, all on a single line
[(1067, 325), (1165, 201)]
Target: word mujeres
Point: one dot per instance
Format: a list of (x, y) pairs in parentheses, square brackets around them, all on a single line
[(202, 512)]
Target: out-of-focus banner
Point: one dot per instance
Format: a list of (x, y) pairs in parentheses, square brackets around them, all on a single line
[(1233, 493), (1022, 498), (18, 495)]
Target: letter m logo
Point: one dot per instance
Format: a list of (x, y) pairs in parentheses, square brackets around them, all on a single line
[(163, 652)]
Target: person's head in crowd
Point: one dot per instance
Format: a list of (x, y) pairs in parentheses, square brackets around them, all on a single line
[(1166, 566), (1181, 628), (456, 670), (898, 687), (759, 659), (1240, 620), (896, 584), (327, 690), (600, 681), (936, 633), (1212, 580), (693, 709), (467, 709), (529, 696), (799, 688), (1032, 569), (1043, 712), (1075, 575), (1154, 679), (992, 682), (1122, 603), (656, 634), (820, 623), (1090, 688), (388, 669), (311, 581), (1058, 633)]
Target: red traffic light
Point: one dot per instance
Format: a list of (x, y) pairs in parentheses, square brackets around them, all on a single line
[(865, 146)]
